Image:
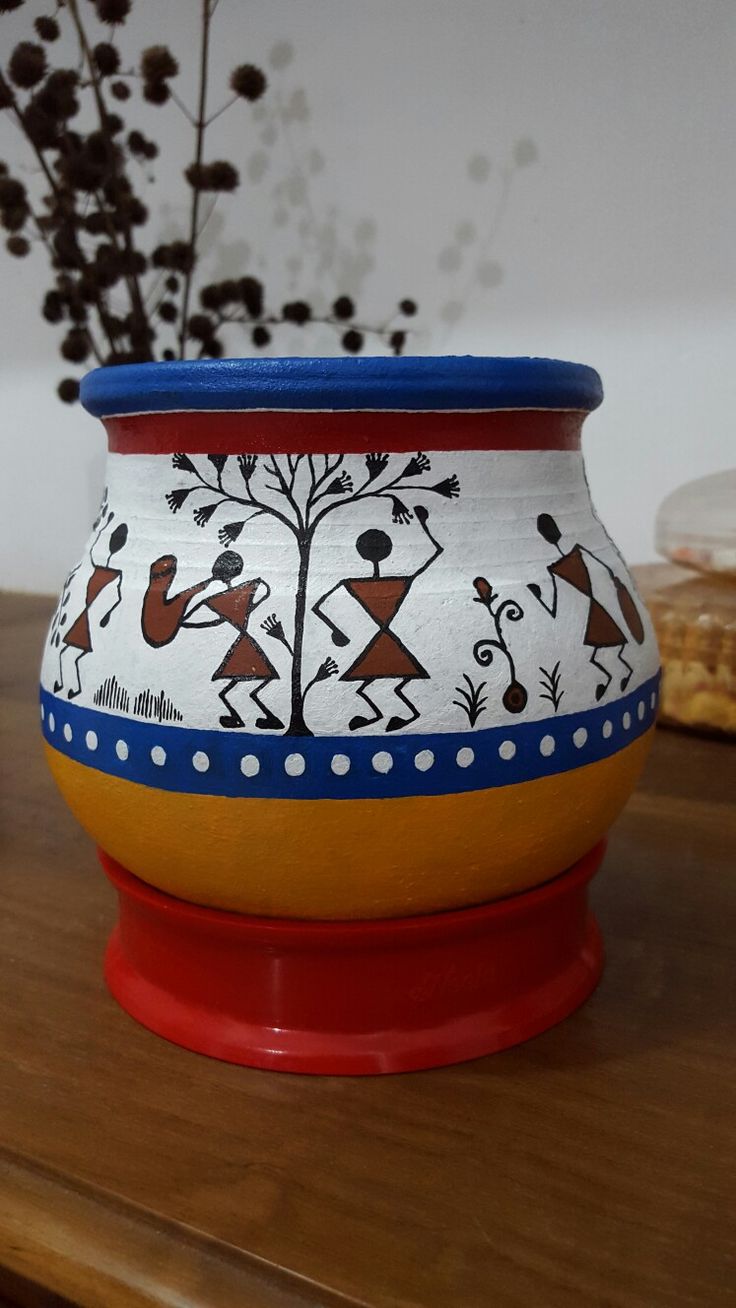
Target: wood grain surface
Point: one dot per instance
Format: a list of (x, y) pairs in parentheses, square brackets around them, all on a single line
[(592, 1167)]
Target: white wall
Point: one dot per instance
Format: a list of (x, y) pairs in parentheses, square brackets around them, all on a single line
[(545, 176)]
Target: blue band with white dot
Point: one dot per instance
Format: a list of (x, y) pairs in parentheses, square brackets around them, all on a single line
[(343, 767)]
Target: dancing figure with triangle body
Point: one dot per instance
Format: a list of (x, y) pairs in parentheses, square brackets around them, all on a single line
[(385, 657), (603, 630)]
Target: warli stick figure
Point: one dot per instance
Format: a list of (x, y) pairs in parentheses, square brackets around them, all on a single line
[(602, 630), (385, 657), (245, 660), (79, 636)]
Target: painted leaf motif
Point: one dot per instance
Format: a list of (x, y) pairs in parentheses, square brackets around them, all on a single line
[(183, 463), (202, 515), (230, 532)]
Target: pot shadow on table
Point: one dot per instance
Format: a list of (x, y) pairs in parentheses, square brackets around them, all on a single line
[(663, 899)]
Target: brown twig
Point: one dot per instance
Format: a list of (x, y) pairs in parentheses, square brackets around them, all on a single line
[(227, 105), (181, 105), (201, 123), (131, 276), (382, 331)]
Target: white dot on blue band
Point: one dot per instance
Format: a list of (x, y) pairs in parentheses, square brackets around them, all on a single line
[(200, 761), (579, 737), (90, 740), (249, 765), (640, 710), (68, 733), (627, 721), (340, 765), (607, 729), (506, 750), (652, 700), (52, 722), (547, 746), (423, 760), (465, 757), (382, 761), (158, 755), (294, 765), (121, 749)]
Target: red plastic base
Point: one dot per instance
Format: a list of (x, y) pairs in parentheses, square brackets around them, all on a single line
[(354, 998)]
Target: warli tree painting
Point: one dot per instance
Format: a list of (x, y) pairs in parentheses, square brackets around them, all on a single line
[(300, 492)]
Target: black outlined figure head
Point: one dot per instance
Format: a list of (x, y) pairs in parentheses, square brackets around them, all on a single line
[(227, 566), (374, 546), (118, 538), (548, 529)]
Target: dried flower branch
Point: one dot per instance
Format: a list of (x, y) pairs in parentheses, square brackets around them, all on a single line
[(115, 295)]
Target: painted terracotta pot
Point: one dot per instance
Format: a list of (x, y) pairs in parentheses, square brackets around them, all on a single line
[(347, 639)]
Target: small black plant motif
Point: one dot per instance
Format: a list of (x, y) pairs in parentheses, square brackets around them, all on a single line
[(112, 695), (327, 668), (514, 697), (159, 708), (550, 683), (472, 701), (274, 627)]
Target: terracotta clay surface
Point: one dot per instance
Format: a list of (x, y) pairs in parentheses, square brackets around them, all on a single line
[(593, 1166)]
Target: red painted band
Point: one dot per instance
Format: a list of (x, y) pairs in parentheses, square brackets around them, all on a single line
[(351, 432), (353, 998)]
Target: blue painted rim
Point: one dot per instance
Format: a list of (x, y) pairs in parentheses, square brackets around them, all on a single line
[(389, 384), (189, 761)]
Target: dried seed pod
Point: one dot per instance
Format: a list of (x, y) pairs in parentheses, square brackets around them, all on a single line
[(27, 64), (200, 327), (47, 28), (18, 246), (352, 341), (248, 81), (298, 311), (158, 63), (343, 307), (167, 311), (68, 390), (156, 92), (112, 11), (106, 58), (75, 345)]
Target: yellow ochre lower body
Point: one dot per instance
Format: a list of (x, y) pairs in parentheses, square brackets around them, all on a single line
[(351, 858)]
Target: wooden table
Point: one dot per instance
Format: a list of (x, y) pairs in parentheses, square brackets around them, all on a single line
[(592, 1166)]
